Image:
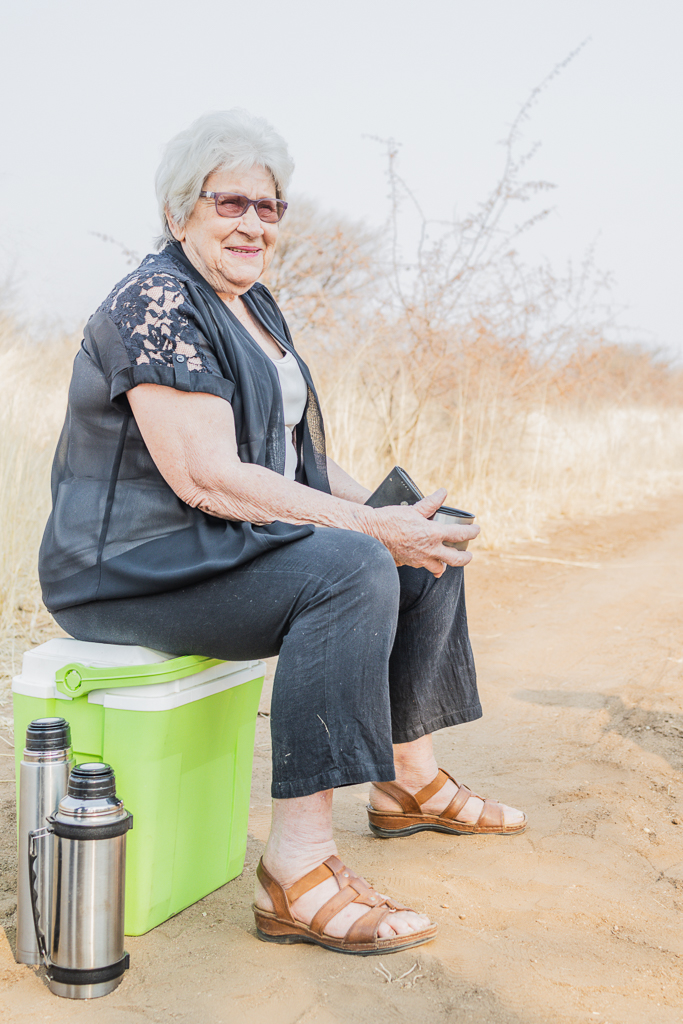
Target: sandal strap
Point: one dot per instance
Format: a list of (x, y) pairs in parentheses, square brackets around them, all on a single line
[(492, 815), (344, 877), (334, 906), (306, 882), (365, 928), (437, 784), (340, 870), (353, 888), (403, 798), (457, 803), (276, 893), (292, 892), (410, 804), (347, 877)]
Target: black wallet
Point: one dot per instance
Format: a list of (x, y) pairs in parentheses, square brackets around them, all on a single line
[(396, 489)]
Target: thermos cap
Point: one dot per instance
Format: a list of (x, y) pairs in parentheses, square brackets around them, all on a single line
[(48, 734), (92, 781)]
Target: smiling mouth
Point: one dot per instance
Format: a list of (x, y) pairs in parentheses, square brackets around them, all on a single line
[(241, 250)]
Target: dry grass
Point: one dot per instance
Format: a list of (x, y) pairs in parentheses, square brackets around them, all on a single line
[(34, 385), (517, 457)]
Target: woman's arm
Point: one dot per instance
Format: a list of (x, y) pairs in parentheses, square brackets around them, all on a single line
[(344, 486), (191, 438)]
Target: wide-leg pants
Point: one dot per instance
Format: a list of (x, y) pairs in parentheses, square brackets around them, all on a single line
[(368, 653)]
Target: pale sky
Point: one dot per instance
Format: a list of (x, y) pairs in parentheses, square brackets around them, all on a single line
[(91, 92)]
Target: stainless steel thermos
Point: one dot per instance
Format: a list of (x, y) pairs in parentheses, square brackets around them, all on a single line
[(43, 778), (85, 957), (75, 877)]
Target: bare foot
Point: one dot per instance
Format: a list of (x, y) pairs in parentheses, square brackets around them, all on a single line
[(298, 842)]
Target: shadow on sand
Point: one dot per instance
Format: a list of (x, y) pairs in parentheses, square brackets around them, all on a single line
[(658, 732)]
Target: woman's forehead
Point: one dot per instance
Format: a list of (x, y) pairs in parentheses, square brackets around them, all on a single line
[(254, 183)]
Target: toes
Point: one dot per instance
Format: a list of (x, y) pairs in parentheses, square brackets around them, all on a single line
[(406, 922), (400, 925), (474, 806), (511, 816)]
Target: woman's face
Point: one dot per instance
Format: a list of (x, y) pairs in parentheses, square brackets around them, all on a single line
[(231, 253)]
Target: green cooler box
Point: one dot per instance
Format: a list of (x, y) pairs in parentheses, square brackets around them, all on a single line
[(179, 734)]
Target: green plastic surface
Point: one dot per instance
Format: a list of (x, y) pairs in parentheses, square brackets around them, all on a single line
[(75, 679), (185, 775)]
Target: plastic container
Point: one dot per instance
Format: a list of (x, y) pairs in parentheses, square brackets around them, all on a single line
[(180, 737)]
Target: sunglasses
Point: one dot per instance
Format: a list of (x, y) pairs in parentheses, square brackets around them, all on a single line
[(230, 204)]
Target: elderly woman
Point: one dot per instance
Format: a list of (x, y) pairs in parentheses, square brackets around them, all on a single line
[(196, 512)]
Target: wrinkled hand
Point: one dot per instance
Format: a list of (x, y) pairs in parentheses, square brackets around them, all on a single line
[(413, 540)]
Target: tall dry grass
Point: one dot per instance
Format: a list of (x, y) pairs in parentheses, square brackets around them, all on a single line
[(33, 398), (519, 458)]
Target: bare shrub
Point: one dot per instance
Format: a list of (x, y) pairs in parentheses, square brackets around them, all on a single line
[(322, 265), (500, 381)]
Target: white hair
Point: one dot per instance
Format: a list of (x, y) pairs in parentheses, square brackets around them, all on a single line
[(231, 140)]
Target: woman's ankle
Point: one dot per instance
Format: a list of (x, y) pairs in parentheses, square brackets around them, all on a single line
[(287, 862), (300, 836), (415, 764)]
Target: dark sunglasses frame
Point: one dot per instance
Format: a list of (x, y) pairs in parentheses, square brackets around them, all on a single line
[(281, 205)]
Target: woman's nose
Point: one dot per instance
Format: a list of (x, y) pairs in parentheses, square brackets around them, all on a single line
[(250, 222)]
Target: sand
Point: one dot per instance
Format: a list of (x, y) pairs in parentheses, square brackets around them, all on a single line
[(579, 646)]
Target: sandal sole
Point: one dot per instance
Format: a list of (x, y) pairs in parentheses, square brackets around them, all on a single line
[(411, 830), (291, 939)]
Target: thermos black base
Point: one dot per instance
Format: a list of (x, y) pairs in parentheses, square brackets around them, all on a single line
[(85, 991), (87, 984)]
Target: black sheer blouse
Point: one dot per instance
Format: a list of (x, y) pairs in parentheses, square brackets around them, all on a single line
[(116, 528)]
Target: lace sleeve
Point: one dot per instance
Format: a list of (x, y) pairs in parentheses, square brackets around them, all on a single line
[(155, 322), (148, 331)]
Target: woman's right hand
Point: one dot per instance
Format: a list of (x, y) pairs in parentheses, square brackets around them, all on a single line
[(413, 539)]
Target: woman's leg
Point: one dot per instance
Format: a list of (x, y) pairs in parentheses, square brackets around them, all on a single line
[(433, 685)]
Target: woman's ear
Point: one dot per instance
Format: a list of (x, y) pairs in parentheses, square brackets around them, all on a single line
[(177, 232)]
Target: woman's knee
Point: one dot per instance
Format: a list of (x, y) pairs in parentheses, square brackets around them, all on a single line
[(362, 566)]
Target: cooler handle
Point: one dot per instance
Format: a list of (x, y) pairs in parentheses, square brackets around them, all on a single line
[(75, 679)]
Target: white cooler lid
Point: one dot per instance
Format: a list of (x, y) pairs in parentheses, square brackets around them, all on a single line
[(39, 666)]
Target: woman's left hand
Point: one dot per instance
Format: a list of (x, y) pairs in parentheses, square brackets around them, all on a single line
[(410, 536)]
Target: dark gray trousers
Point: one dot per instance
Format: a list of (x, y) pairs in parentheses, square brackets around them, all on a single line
[(367, 652)]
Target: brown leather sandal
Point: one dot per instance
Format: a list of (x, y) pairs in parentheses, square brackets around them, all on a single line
[(361, 938), (411, 818)]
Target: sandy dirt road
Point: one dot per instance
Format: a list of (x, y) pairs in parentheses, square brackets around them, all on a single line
[(580, 919)]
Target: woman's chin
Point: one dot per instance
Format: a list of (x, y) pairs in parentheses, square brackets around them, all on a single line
[(242, 275)]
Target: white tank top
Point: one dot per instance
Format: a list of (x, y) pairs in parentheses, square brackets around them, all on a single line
[(294, 395)]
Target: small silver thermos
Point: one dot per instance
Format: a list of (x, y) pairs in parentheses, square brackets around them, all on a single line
[(43, 778), (83, 951)]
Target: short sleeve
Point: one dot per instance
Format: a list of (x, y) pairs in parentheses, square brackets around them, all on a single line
[(146, 333)]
